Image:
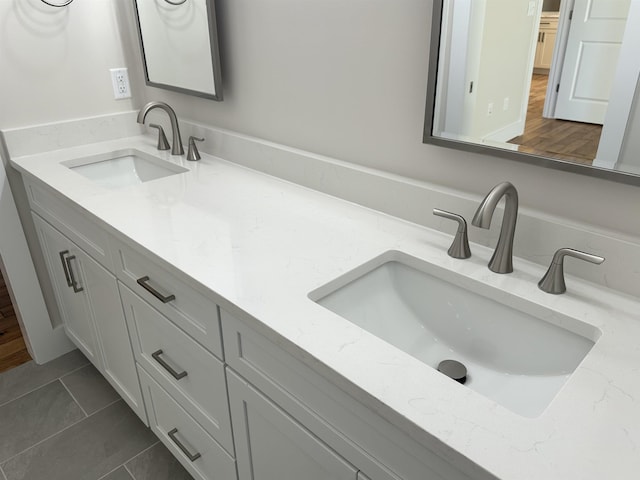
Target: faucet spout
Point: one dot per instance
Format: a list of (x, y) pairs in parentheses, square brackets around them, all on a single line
[(176, 148), (502, 259)]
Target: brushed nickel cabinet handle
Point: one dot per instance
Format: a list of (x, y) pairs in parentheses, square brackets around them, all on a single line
[(64, 266), (167, 367), (74, 282), (191, 456), (143, 282)]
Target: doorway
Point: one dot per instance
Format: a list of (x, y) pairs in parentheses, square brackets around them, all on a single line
[(13, 350), (566, 140), (570, 89)]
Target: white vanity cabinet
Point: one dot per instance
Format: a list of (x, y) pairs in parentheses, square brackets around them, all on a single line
[(228, 400), (89, 301)]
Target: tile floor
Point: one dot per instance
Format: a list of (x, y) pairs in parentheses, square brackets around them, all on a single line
[(63, 420)]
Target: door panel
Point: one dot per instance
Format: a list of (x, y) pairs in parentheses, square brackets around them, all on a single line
[(593, 48)]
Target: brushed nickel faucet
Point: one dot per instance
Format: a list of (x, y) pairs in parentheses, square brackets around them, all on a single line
[(502, 259), (176, 148)]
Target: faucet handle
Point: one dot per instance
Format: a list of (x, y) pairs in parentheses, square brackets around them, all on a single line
[(553, 280), (460, 246), (193, 154), (163, 144)]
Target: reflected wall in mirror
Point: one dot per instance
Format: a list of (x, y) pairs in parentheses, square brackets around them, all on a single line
[(549, 82), (179, 43)]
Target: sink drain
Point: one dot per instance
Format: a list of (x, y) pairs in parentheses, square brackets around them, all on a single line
[(453, 369)]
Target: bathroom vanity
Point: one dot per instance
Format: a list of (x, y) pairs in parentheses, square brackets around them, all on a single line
[(198, 294)]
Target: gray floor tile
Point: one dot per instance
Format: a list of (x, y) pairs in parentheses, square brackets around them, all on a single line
[(119, 474), (29, 376), (36, 416), (90, 389), (86, 451), (157, 463)]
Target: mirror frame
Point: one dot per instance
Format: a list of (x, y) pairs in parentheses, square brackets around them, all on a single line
[(215, 57), (528, 158)]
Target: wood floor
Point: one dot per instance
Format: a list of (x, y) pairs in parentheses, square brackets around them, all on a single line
[(570, 141), (13, 351)]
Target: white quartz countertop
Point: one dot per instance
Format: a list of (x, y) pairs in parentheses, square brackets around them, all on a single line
[(263, 244)]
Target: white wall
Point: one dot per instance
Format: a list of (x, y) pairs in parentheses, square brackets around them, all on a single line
[(348, 80), (630, 154), (619, 147), (55, 61), (505, 67)]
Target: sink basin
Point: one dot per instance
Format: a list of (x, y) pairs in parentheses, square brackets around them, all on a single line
[(123, 168), (516, 359)]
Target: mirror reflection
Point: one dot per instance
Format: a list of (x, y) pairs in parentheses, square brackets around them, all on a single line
[(555, 79), (180, 46)]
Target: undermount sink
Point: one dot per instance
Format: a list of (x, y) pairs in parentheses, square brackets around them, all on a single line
[(516, 359), (123, 168)]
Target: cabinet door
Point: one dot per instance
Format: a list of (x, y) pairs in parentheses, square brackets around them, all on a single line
[(62, 261), (547, 46), (271, 445), (537, 62), (118, 364), (90, 304)]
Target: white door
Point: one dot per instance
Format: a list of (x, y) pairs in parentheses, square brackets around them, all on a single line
[(593, 47)]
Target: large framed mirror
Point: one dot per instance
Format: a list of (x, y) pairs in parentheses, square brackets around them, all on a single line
[(547, 82), (179, 42)]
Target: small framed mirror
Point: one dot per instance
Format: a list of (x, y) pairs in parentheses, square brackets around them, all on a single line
[(179, 42)]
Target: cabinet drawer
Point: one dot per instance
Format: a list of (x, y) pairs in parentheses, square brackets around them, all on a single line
[(186, 370), (189, 442), (81, 230), (182, 304)]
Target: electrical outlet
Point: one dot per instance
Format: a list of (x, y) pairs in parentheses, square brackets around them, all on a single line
[(505, 104), (120, 81), (490, 109)]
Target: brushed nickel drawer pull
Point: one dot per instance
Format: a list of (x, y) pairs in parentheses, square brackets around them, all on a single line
[(142, 281), (74, 282), (167, 367), (64, 266), (172, 436)]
